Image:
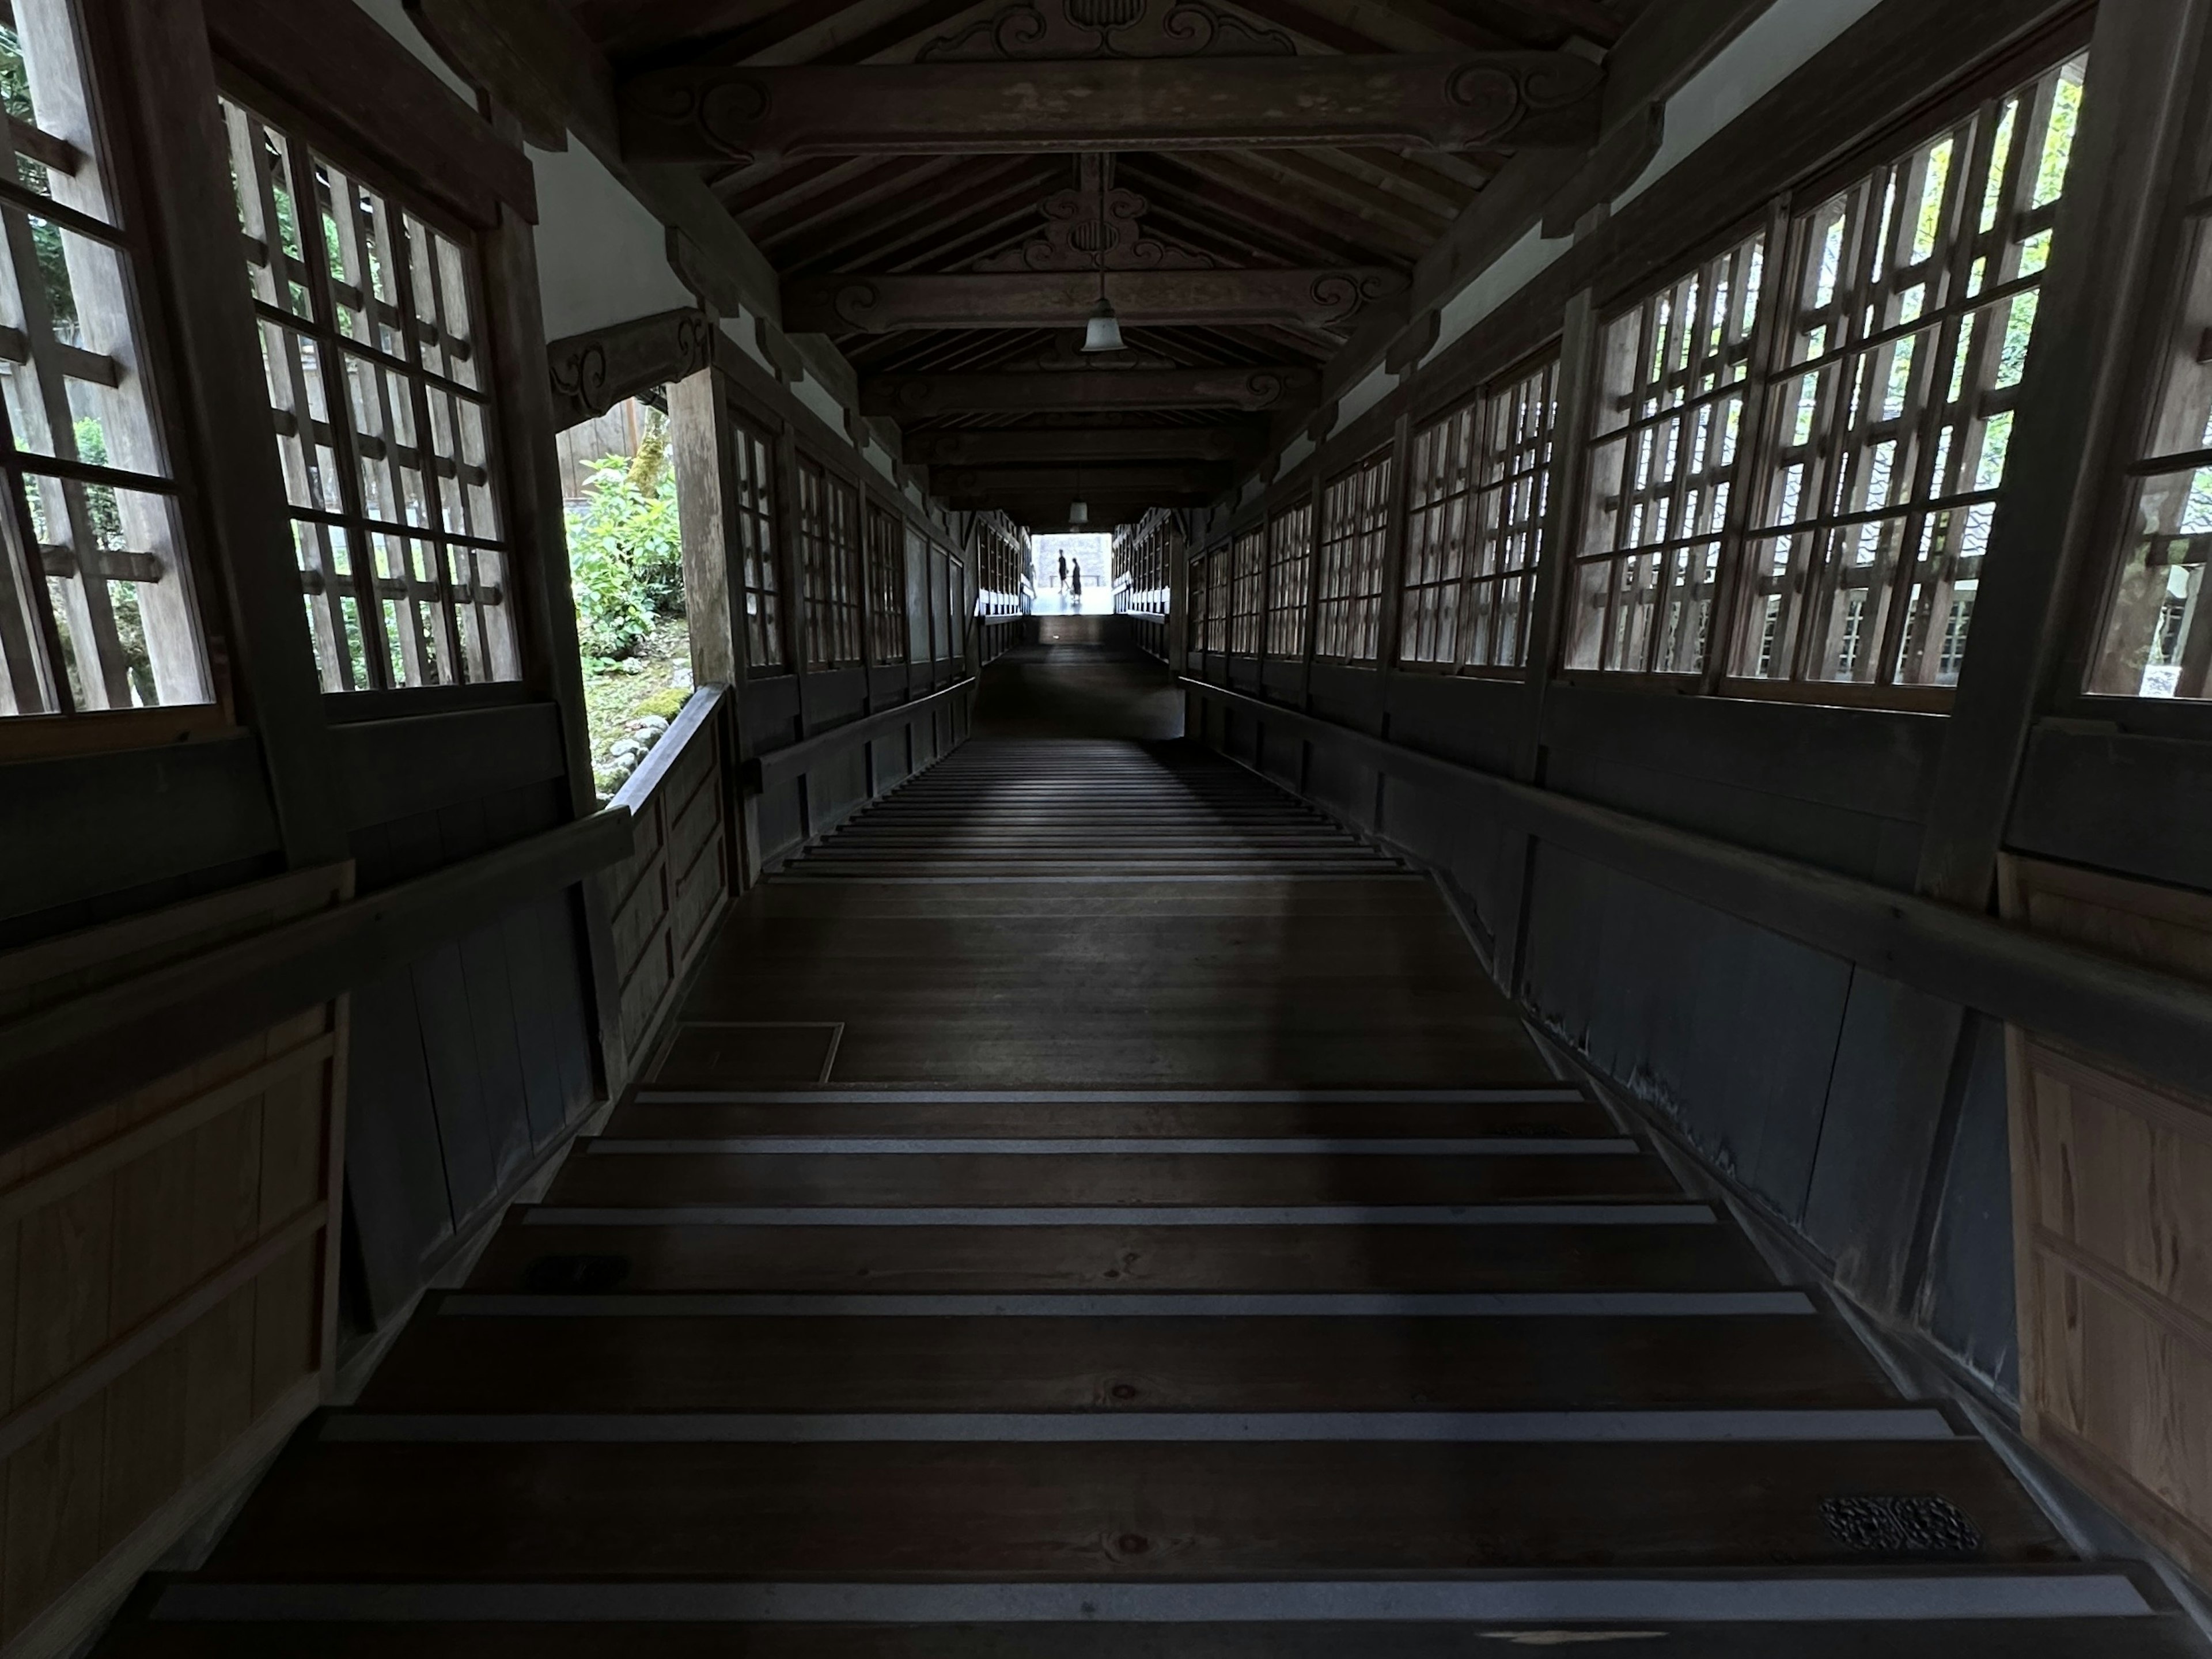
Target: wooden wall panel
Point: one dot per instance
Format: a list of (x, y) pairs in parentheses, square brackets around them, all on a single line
[(2113, 1213), (168, 1279)]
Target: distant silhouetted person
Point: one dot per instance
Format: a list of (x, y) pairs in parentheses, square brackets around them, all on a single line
[(1063, 570), (1075, 582)]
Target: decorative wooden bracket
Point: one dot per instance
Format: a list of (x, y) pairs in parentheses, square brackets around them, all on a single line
[(592, 372)]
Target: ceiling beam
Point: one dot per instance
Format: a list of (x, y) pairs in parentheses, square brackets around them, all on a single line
[(1461, 101), (882, 303), (1040, 391), (1109, 482), (1243, 442)]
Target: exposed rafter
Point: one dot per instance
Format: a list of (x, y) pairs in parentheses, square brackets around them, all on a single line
[(1461, 102)]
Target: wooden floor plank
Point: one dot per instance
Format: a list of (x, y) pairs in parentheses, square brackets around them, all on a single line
[(1151, 1365), (1128, 1178), (1069, 1511), (1091, 1258)]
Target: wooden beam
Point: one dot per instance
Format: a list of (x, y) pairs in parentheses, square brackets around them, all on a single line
[(910, 396), (592, 372), (883, 303), (1241, 442), (1109, 481), (1471, 100)]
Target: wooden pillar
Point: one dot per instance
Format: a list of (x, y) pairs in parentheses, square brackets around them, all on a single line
[(195, 280), (2049, 521), (545, 605), (1547, 605), (1563, 512), (1393, 566)]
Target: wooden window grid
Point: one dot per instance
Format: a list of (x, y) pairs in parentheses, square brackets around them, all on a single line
[(1248, 572), (886, 587), (830, 566), (1217, 579), (753, 520), (384, 420), (1474, 524), (96, 605), (1673, 372), (1290, 578), (1908, 307), (1355, 531), (1439, 507), (1513, 465), (1001, 559), (1141, 555)]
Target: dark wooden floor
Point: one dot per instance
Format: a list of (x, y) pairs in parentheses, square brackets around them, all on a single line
[(1095, 1207)]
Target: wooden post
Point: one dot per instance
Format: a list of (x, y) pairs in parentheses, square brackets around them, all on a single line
[(195, 287), (2047, 524), (699, 449), (1571, 425), (1393, 572)]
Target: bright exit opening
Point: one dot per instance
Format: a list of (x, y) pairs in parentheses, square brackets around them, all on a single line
[(1074, 575)]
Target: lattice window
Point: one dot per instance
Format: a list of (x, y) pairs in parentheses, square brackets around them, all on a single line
[(1355, 528), (753, 524), (1249, 570), (1141, 553), (2157, 641), (830, 566), (1438, 534), (1674, 373), (1215, 571), (886, 587), (385, 423), (1289, 576), (1513, 487), (1001, 554), (96, 607), (1910, 301)]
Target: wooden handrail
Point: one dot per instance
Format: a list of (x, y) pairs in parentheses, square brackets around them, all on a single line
[(781, 766), (65, 1056), (2156, 1023)]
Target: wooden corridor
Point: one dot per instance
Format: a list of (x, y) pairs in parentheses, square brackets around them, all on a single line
[(1094, 1207)]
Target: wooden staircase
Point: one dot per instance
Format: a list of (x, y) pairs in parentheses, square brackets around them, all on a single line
[(1189, 1258)]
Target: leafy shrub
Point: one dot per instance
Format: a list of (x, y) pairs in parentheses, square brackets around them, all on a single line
[(625, 551)]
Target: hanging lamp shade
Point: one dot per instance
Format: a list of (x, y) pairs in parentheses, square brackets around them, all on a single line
[(1103, 330), (1079, 512)]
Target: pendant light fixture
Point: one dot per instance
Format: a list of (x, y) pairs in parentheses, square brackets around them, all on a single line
[(1078, 510), (1103, 330)]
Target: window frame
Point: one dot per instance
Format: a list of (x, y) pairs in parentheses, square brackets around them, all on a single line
[(835, 612), (131, 177), (1285, 626), (1248, 573), (2007, 70), (442, 216), (884, 557), (1359, 604)]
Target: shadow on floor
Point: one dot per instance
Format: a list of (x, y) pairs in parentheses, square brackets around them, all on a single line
[(1078, 691)]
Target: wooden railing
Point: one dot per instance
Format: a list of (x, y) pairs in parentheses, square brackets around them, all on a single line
[(663, 900)]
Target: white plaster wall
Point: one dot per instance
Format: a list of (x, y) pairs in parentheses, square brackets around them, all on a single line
[(602, 257)]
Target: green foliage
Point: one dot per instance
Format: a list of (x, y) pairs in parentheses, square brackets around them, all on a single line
[(45, 238), (625, 554)]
